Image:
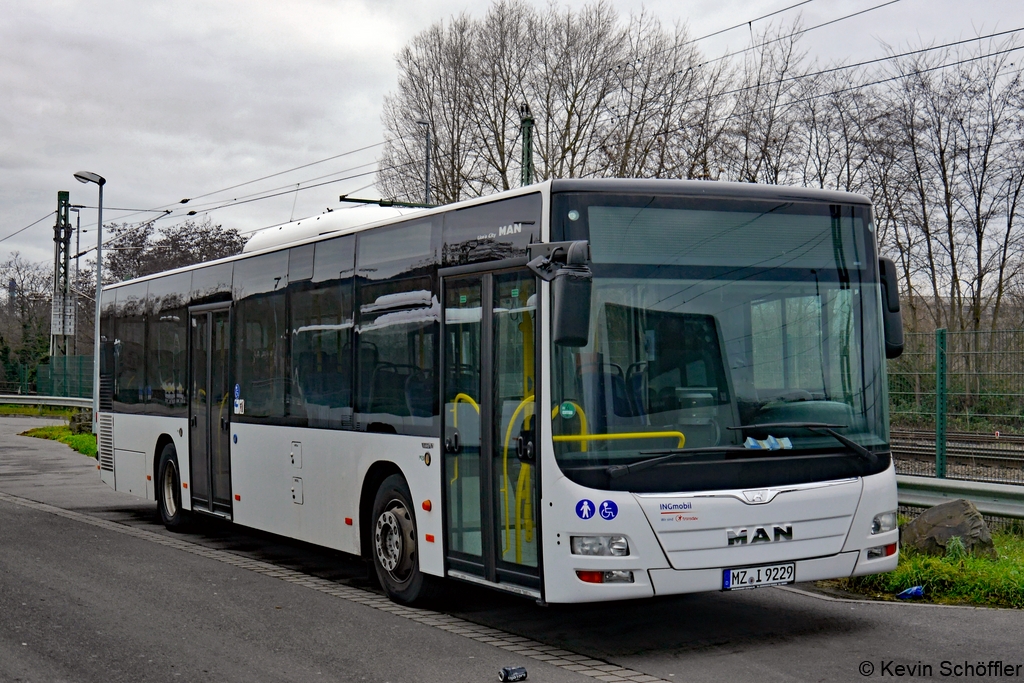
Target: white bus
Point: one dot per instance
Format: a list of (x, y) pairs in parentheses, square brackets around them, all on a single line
[(580, 390)]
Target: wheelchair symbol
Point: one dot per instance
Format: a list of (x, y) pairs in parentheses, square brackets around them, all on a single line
[(609, 509)]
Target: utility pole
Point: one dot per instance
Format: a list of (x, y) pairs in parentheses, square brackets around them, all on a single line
[(62, 316), (526, 129)]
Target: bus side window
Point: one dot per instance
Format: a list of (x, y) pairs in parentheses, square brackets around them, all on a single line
[(321, 331), (260, 333), (166, 344), (130, 379), (397, 328)]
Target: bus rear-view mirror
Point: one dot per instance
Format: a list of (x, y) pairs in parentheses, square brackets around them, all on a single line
[(892, 321)]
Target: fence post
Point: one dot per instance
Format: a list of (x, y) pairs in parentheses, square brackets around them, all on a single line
[(940, 403)]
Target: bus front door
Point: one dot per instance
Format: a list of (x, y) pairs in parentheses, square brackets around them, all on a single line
[(489, 361), (209, 411)]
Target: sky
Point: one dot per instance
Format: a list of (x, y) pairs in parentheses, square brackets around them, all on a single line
[(174, 99)]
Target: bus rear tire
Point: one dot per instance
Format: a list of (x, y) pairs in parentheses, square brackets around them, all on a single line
[(393, 545), (168, 490)]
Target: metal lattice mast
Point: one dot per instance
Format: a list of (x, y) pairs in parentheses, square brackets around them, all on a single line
[(62, 318)]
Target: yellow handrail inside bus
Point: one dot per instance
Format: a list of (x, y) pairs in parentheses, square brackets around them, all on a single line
[(504, 486), (622, 435), (459, 398)]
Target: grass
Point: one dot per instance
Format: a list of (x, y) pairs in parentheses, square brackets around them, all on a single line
[(957, 578), (36, 411), (83, 443)]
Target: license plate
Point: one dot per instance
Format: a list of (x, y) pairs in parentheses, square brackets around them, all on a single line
[(753, 577)]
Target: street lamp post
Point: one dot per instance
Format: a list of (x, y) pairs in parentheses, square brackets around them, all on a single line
[(87, 177), (426, 192)]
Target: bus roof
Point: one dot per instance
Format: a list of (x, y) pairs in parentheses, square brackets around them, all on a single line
[(707, 188), (334, 225)]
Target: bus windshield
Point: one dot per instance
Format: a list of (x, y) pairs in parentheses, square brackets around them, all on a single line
[(721, 324)]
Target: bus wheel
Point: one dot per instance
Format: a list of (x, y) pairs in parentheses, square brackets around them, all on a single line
[(394, 543), (168, 490)]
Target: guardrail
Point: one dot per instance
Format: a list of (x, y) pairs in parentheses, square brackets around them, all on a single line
[(998, 500), (59, 401)]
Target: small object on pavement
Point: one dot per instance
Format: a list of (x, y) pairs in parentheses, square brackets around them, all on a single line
[(914, 592), (512, 673)]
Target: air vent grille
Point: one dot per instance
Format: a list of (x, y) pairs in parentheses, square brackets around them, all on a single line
[(105, 442)]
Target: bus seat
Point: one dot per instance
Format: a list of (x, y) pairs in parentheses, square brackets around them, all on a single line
[(421, 394)]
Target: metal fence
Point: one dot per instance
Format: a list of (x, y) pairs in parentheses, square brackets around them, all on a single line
[(69, 376), (956, 402), (16, 378)]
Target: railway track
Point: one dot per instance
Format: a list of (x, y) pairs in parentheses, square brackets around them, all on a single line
[(969, 455)]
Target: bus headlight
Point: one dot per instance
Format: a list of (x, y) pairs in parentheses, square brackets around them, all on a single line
[(617, 546), (883, 522)]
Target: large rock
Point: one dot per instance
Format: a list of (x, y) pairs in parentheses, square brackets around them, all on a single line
[(81, 422), (930, 532)]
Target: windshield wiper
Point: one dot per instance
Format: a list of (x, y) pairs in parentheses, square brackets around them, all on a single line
[(815, 427), (616, 471)]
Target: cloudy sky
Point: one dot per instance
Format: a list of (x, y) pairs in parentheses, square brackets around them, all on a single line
[(174, 99)]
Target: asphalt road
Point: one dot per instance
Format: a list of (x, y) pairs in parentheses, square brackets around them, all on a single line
[(92, 588)]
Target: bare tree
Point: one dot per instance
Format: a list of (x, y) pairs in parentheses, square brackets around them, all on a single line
[(503, 54), (935, 139), (570, 84), (653, 82), (25, 323), (434, 86), (764, 124)]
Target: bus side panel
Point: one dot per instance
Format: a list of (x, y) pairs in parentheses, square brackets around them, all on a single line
[(305, 483), (135, 438)]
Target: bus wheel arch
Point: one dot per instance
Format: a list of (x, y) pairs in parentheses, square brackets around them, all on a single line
[(161, 442), (375, 476), (168, 488), (395, 544)]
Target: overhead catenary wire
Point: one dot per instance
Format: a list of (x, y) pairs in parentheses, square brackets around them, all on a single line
[(290, 189), (33, 223), (877, 60), (860, 86), (377, 144), (279, 173), (800, 32), (748, 22), (794, 34)]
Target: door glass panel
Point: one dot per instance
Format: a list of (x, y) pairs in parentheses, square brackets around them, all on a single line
[(514, 318), (463, 315), (199, 475), (220, 407)]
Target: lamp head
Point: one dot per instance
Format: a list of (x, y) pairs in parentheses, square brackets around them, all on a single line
[(89, 177)]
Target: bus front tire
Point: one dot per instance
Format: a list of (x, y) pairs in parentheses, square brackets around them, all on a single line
[(393, 544), (168, 490)]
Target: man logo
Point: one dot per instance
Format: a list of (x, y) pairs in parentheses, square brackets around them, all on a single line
[(780, 532), (514, 229), (758, 496)]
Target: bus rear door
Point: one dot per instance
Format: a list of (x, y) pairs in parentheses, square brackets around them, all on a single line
[(210, 409)]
